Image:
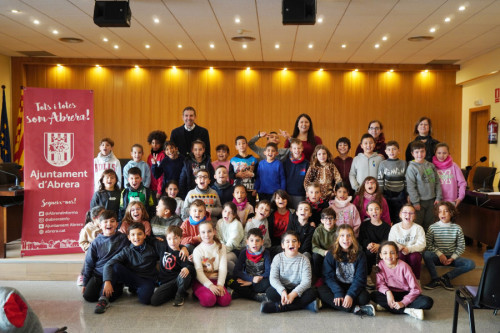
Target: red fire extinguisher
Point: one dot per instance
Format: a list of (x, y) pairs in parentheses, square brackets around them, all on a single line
[(492, 131)]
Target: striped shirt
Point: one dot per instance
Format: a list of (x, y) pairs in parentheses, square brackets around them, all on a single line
[(290, 273), (446, 238)]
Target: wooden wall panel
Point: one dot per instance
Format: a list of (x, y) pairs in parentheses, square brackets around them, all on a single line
[(130, 102)]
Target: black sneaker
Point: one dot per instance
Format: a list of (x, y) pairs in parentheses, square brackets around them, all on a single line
[(433, 284), (366, 310), (445, 281), (270, 307), (178, 300), (260, 297), (101, 306)]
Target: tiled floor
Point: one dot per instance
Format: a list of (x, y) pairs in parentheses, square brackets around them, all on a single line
[(60, 303)]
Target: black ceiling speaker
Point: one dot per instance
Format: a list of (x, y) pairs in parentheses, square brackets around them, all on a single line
[(112, 14), (299, 12)]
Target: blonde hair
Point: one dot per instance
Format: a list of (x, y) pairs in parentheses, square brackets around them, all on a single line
[(353, 251)]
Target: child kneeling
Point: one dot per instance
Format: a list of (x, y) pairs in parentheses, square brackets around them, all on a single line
[(290, 279)]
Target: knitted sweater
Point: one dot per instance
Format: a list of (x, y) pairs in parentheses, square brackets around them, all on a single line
[(270, 177), (452, 179), (391, 175), (190, 233), (413, 239), (290, 273), (445, 238), (145, 172), (295, 173), (102, 163), (326, 175), (399, 279), (362, 167), (422, 182), (347, 213), (210, 262), (208, 196), (323, 239), (230, 234)]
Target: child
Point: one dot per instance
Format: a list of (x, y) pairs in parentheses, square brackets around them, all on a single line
[(171, 190), (134, 265), (423, 186), (323, 239), (344, 269), (299, 223), (262, 211), (322, 171), (101, 250), (279, 218), (135, 213), (190, 233), (137, 162), (209, 259), (410, 239), (231, 234), (346, 212), (222, 185), (243, 208), (452, 180), (202, 191), (222, 151), (136, 191), (368, 192), (372, 233), (156, 140), (197, 160), (445, 244), (106, 160), (366, 163), (317, 204), (176, 273), (272, 137), (290, 280), (270, 174), (109, 193), (165, 216), (88, 233), (391, 178), (243, 167), (295, 172), (252, 269), (343, 162), (169, 169), (397, 288)]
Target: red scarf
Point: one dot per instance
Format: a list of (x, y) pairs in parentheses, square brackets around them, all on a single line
[(241, 205), (315, 205), (300, 160), (255, 257)]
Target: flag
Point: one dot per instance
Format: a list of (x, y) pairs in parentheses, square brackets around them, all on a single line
[(19, 148), (4, 131)]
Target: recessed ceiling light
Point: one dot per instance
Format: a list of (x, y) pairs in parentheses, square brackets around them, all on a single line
[(276, 46), (136, 66), (321, 69), (116, 47), (377, 46), (36, 22), (156, 20), (310, 46), (59, 65), (97, 66), (432, 30), (105, 40), (15, 11), (212, 46), (71, 40), (285, 69), (244, 46), (343, 46), (147, 46), (211, 68), (447, 19), (237, 20), (425, 71), (461, 8), (356, 70), (248, 68), (173, 67), (179, 46), (384, 38), (320, 20), (55, 32), (391, 70)]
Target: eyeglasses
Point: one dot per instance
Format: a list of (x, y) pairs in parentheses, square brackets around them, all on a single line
[(202, 177), (328, 218), (408, 213), (374, 128)]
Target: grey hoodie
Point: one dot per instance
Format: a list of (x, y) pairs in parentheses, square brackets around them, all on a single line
[(422, 182), (362, 167)]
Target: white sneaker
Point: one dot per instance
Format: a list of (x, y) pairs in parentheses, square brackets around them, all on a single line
[(79, 280), (415, 313)]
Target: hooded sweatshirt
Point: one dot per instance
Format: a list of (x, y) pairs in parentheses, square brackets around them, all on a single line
[(452, 179), (422, 182), (102, 163), (145, 172), (362, 167)]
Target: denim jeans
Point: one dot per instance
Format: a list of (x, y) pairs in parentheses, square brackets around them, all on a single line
[(462, 265)]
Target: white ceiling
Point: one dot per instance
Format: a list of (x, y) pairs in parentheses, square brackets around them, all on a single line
[(195, 24)]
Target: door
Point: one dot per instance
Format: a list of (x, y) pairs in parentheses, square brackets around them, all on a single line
[(478, 137)]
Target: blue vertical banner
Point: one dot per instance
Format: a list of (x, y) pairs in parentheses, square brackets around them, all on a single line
[(4, 133)]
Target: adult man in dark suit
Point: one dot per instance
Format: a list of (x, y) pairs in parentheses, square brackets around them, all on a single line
[(184, 135)]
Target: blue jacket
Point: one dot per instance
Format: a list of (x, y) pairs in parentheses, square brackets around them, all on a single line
[(295, 172), (225, 192), (270, 177), (101, 250), (330, 266), (242, 269)]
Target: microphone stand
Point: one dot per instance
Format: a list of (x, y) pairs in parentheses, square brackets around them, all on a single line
[(16, 187)]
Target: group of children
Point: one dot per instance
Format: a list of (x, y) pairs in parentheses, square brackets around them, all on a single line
[(268, 229)]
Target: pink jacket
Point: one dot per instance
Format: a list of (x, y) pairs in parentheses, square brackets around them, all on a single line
[(453, 183), (346, 213), (399, 278)]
